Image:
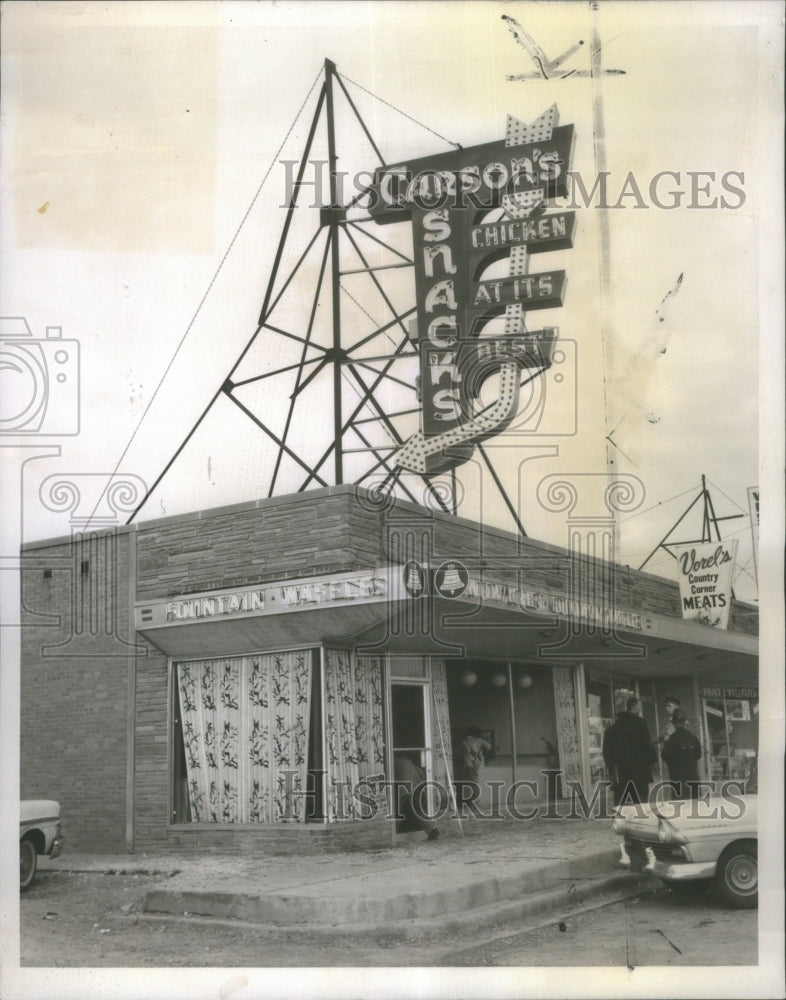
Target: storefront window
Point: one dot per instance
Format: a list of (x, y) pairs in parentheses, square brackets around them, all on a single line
[(242, 734), (354, 735), (649, 712), (731, 717), (622, 691), (600, 715)]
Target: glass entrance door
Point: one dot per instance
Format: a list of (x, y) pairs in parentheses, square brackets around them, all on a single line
[(410, 720), (411, 726)]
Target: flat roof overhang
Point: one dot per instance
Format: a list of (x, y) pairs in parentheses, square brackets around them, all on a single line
[(249, 634), (461, 630)]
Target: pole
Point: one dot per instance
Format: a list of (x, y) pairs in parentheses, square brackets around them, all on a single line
[(330, 69), (604, 251), (512, 724), (448, 769), (705, 521)]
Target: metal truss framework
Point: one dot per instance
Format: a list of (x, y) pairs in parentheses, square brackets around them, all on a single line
[(709, 521), (368, 373)]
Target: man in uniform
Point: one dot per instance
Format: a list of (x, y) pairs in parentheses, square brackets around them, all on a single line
[(681, 751)]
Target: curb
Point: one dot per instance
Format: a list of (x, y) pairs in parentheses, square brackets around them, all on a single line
[(552, 903), (87, 868), (466, 902), (591, 903)]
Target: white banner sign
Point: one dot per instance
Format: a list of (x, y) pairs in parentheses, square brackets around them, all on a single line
[(705, 573)]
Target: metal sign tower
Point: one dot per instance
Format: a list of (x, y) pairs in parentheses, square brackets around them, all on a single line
[(296, 356), (709, 523)]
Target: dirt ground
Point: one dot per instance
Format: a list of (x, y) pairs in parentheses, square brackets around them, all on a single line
[(659, 928), (74, 919), (93, 920)]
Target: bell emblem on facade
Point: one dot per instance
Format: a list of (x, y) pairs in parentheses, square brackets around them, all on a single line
[(414, 579), (452, 579)]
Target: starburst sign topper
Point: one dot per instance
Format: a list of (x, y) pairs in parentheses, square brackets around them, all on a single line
[(470, 208)]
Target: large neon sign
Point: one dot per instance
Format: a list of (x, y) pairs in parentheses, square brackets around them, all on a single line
[(448, 199)]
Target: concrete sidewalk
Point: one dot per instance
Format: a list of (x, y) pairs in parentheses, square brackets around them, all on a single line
[(488, 875)]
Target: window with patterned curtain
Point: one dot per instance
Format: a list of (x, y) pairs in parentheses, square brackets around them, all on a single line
[(245, 722), (354, 731)]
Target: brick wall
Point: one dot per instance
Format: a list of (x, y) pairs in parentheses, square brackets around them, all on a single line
[(151, 751), (74, 693), (264, 839)]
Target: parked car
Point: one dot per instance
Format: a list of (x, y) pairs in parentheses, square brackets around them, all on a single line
[(39, 833), (692, 843)]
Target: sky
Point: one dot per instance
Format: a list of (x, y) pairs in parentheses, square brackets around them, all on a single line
[(142, 156)]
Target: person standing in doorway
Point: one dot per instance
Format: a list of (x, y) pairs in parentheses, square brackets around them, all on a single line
[(474, 749), (671, 704), (629, 754), (681, 752)]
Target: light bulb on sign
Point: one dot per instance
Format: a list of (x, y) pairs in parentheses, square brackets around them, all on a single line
[(498, 679), (469, 678), (525, 681)]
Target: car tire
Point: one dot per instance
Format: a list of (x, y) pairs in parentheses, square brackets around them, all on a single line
[(28, 863), (737, 877)]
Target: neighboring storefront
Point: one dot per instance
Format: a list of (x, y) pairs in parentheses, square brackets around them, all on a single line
[(243, 678), (730, 731)]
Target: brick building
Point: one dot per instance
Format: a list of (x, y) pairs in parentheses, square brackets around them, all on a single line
[(224, 679)]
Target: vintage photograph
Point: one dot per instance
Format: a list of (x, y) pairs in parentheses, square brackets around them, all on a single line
[(386, 393)]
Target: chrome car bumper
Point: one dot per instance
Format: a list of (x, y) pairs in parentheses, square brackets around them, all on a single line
[(57, 846), (670, 871)]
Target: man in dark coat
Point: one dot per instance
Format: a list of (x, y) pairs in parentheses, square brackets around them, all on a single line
[(681, 751), (629, 754)]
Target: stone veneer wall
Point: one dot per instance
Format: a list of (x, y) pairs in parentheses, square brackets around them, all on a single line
[(324, 531), (536, 565)]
